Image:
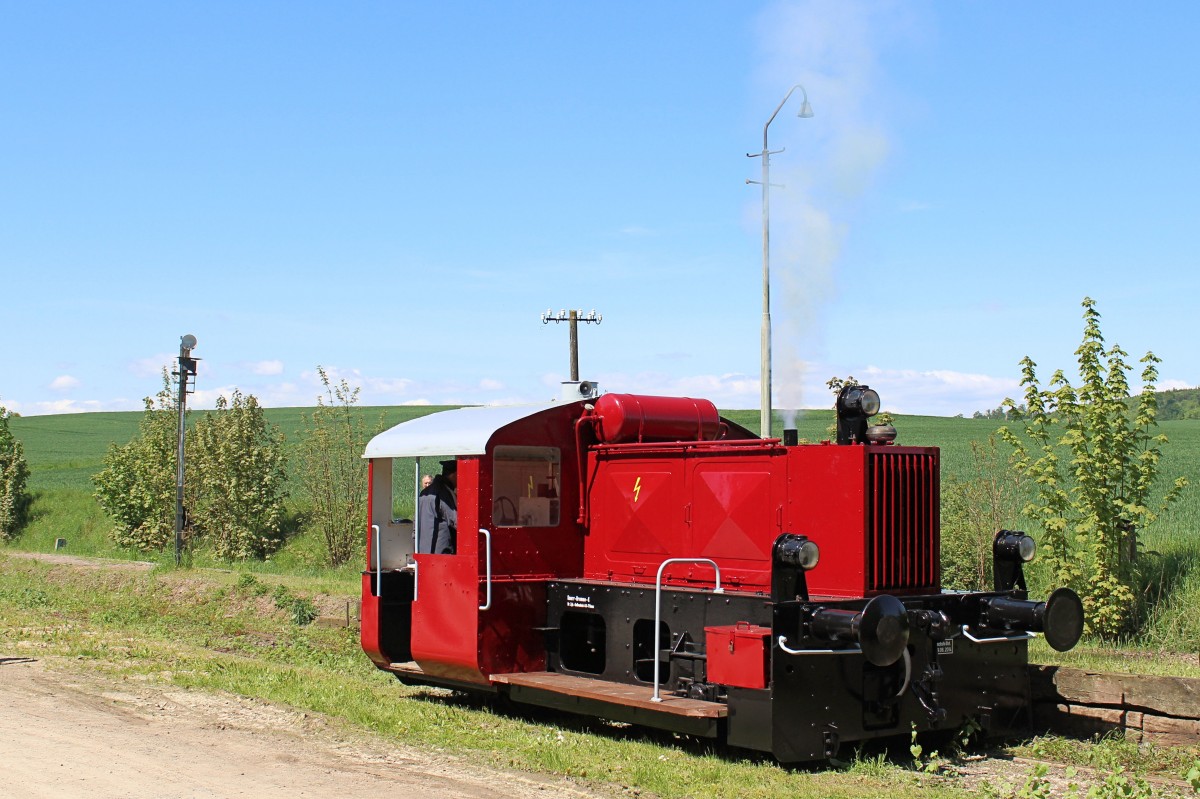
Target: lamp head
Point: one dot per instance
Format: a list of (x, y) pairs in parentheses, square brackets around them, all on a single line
[(805, 110)]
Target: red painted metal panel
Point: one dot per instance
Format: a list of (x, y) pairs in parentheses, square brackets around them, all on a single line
[(508, 641), (736, 515), (827, 501), (368, 630), (638, 517), (653, 502), (445, 617)]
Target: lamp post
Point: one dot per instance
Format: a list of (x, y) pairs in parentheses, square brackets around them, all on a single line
[(765, 367)]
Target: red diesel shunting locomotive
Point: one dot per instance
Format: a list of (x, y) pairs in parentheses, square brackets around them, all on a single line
[(643, 559)]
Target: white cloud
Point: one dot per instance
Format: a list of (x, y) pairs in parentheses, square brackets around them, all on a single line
[(488, 384), (267, 368), (152, 366), (77, 406), (64, 383), (937, 392)]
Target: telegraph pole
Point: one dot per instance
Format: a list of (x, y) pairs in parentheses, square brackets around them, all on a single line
[(187, 368), (573, 317)]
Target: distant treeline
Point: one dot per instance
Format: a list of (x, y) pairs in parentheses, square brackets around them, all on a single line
[(1178, 403)]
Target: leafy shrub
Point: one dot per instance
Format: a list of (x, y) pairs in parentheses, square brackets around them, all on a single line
[(136, 487), (234, 481), (239, 466), (1094, 460), (14, 474)]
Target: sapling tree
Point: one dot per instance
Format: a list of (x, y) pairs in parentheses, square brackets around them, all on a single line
[(332, 470), (1094, 458), (14, 475)]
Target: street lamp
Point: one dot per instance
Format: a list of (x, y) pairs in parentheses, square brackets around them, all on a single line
[(765, 368)]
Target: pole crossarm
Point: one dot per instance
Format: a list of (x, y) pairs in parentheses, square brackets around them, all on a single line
[(573, 317)]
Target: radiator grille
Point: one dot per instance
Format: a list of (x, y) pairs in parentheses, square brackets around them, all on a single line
[(903, 524)]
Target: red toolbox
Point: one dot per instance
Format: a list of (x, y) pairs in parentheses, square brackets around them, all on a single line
[(738, 654)]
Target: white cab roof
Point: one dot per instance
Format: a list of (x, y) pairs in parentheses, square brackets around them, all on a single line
[(463, 431)]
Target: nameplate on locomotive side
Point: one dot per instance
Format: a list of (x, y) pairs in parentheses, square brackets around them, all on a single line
[(945, 647)]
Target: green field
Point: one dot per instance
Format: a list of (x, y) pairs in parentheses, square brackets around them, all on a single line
[(64, 452)]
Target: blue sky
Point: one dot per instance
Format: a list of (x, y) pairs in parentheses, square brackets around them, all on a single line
[(396, 191)]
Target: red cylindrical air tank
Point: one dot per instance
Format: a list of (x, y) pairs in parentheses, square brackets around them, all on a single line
[(634, 417)]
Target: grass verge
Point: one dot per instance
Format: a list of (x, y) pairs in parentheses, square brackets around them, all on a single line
[(239, 632)]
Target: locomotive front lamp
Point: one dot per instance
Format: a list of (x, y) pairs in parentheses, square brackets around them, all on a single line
[(798, 551), (860, 399), (1013, 546), (810, 555)]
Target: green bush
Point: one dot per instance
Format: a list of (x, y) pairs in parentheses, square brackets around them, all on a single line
[(1094, 459), (14, 475), (136, 487), (239, 468), (234, 480)]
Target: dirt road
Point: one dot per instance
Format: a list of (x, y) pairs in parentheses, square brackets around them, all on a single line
[(66, 733)]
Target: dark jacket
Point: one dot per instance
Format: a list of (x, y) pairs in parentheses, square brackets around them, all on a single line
[(437, 518)]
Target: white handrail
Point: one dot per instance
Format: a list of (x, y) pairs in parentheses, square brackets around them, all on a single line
[(658, 608), (378, 562), (1023, 636), (487, 537), (783, 645)]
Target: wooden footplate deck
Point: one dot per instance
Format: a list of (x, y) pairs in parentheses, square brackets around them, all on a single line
[(615, 701)]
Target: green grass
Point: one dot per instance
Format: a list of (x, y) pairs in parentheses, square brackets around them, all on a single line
[(225, 632), (64, 451)]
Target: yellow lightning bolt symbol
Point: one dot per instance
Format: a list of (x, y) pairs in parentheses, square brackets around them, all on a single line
[(637, 489), (531, 485)]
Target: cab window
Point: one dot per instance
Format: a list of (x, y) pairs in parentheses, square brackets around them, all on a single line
[(525, 486)]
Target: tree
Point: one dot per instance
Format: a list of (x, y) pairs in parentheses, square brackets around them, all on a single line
[(136, 487), (239, 465), (1093, 457), (234, 479), (332, 470), (14, 474)]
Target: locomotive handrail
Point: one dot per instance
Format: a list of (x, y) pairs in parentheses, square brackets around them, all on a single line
[(1023, 636), (487, 537), (782, 645), (854, 651), (378, 562), (658, 609)]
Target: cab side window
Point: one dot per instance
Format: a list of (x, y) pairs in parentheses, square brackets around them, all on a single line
[(525, 486)]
